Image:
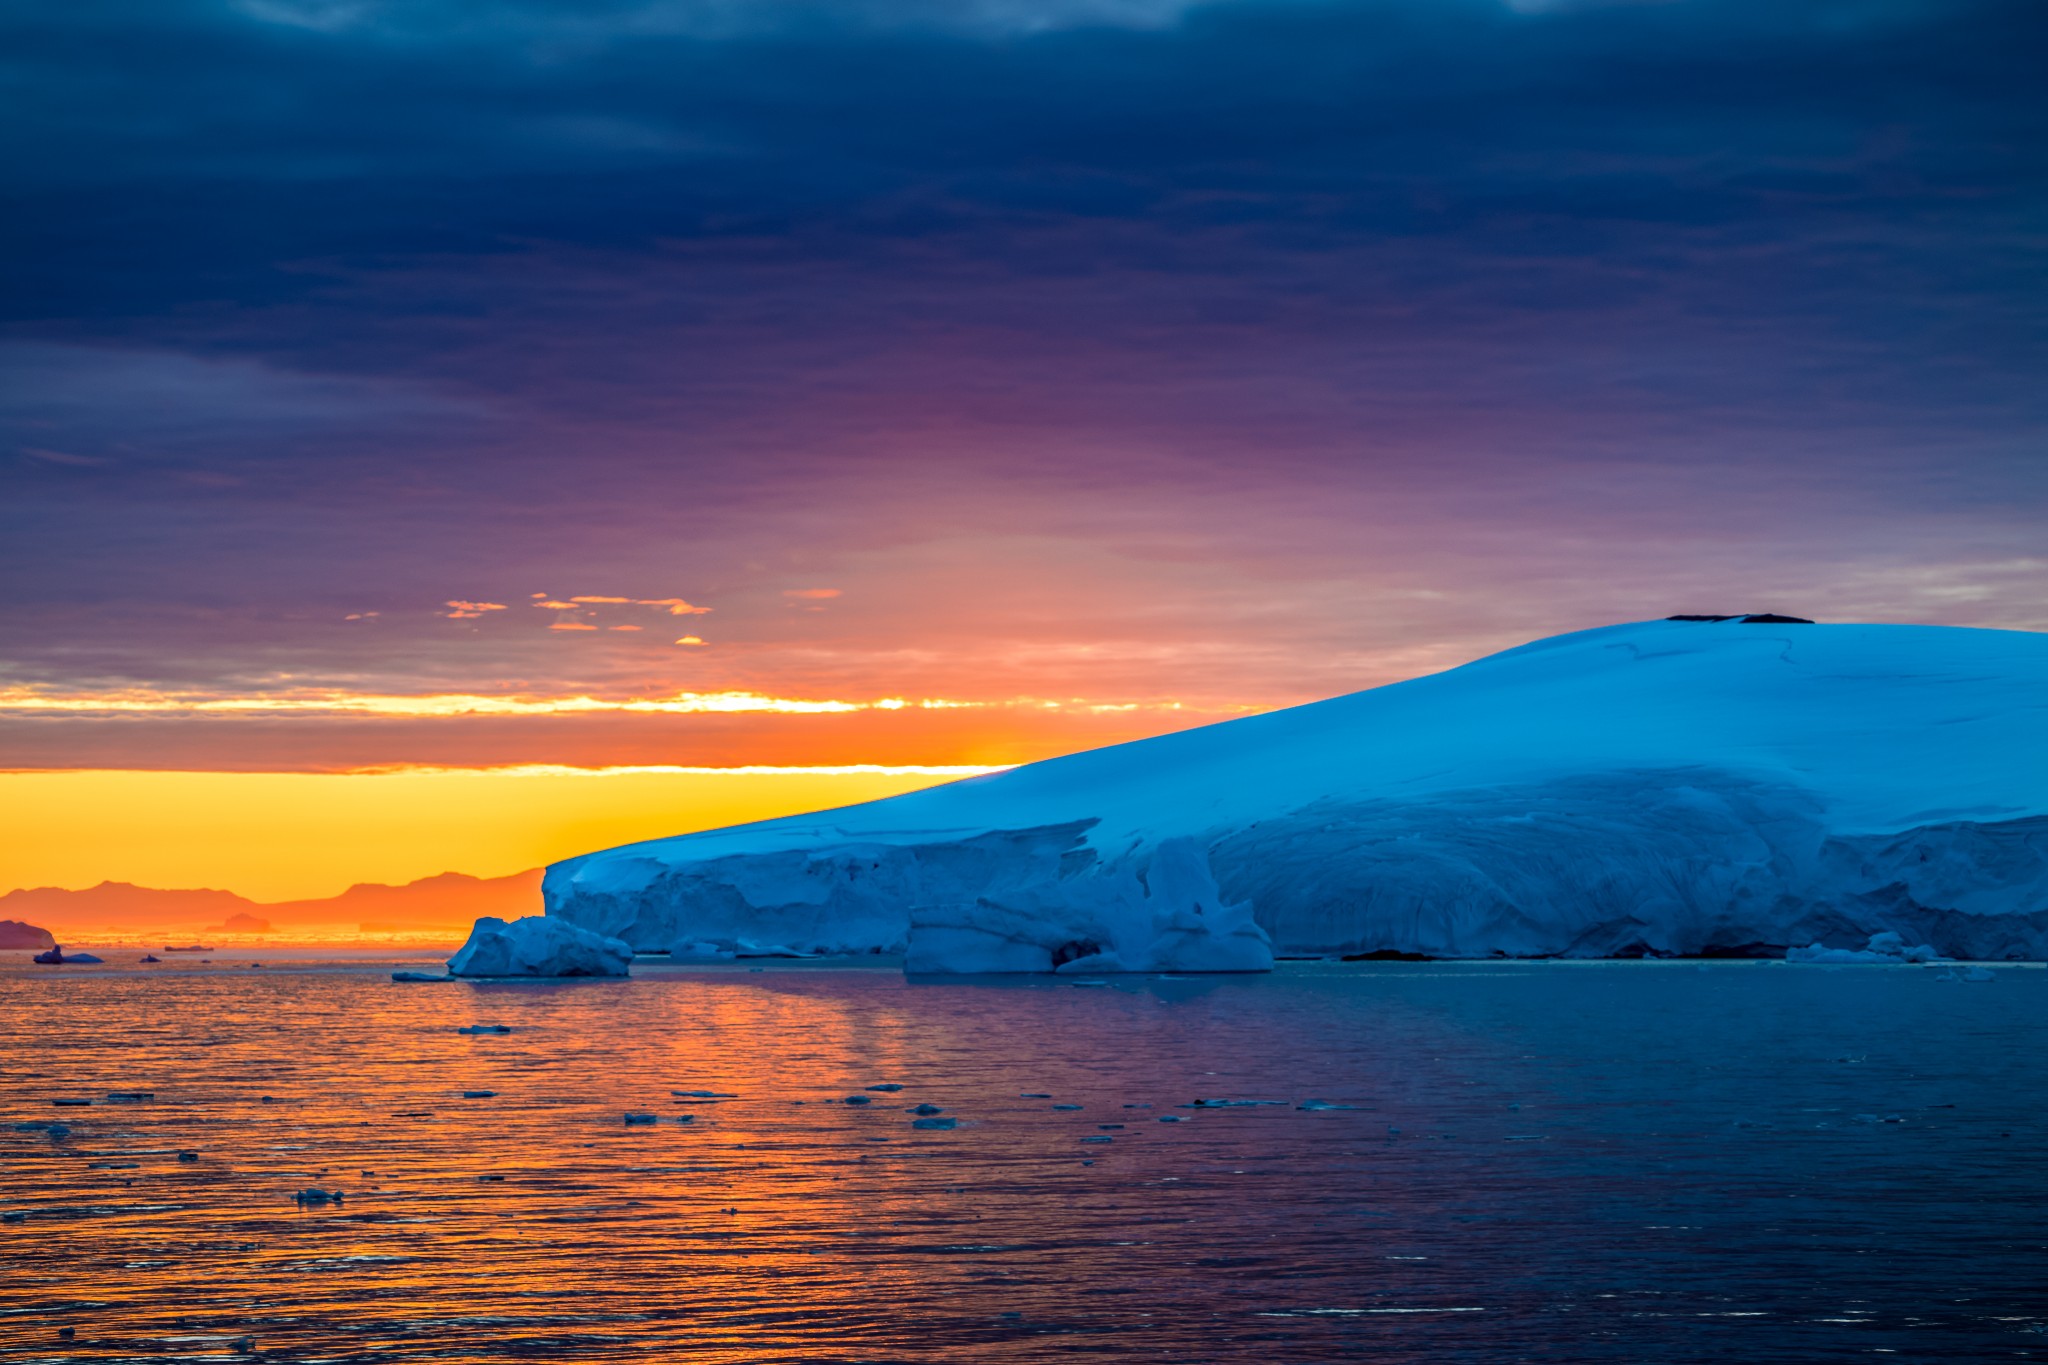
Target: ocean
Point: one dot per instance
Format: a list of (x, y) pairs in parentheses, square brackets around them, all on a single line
[(1474, 1162)]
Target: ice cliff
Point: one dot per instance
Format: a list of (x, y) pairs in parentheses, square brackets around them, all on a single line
[(1679, 786)]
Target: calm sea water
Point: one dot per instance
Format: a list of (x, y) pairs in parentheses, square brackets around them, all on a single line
[(1539, 1162)]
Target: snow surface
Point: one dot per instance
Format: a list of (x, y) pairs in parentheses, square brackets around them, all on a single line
[(1665, 786), (538, 946)]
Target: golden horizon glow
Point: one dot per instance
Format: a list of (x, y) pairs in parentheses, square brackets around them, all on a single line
[(446, 705), (301, 836)]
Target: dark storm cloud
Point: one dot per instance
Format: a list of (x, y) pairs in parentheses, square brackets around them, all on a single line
[(318, 308)]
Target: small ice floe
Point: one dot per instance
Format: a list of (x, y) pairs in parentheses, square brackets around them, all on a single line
[(860, 1099), (479, 1094), (1137, 1106), (189, 1156), (1882, 948), (149, 957), (1968, 974), (640, 1118), (14, 1216), (1233, 1104), (71, 1103), (57, 956), (886, 1087), (485, 1028), (934, 1123), (1066, 1106), (707, 1095), (313, 1196), (420, 976), (1109, 1125), (1317, 1106), (1173, 1118), (926, 1109), (129, 1096), (1034, 1095), (1098, 1137)]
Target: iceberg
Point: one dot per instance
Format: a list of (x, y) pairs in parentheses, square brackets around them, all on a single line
[(536, 945), (1718, 786)]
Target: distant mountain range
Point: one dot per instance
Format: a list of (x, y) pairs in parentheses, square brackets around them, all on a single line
[(450, 900)]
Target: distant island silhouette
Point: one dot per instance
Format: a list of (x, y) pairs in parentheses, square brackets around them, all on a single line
[(451, 900)]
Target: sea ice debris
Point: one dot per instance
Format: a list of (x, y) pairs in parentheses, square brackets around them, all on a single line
[(539, 945)]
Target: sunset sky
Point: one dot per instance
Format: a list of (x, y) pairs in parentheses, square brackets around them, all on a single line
[(925, 385)]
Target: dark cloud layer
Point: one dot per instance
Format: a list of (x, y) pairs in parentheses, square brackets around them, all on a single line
[(1125, 327)]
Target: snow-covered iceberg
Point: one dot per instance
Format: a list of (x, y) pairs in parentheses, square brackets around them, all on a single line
[(1680, 786), (536, 945)]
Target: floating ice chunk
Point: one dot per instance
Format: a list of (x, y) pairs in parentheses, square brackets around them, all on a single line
[(315, 1195), (860, 1099), (57, 955), (640, 1118), (702, 950), (1317, 1106), (1034, 1095), (926, 1109), (1886, 947), (420, 976), (538, 945), (1066, 1106), (886, 1087), (485, 1028), (934, 1123), (1098, 1137), (1173, 1118), (1233, 1104), (479, 1094), (708, 1095)]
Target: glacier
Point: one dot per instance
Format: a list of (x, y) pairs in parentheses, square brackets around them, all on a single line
[(1717, 786)]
